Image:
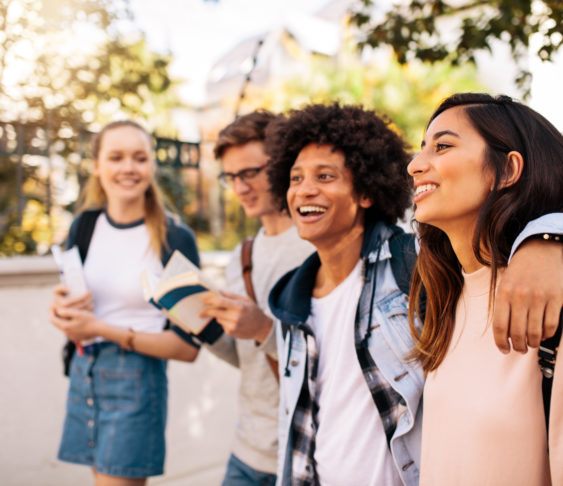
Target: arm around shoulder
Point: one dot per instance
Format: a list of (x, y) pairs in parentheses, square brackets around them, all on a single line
[(530, 293)]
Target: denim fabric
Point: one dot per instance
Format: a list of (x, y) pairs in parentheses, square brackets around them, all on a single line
[(116, 412), (240, 474)]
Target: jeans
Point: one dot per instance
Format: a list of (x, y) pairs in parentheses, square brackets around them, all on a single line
[(240, 474)]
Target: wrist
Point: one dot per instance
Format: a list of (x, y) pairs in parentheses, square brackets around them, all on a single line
[(555, 237), (128, 342), (264, 331)]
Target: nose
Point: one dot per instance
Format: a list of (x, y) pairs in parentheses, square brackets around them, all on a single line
[(307, 187), (128, 164), (239, 186), (418, 165)]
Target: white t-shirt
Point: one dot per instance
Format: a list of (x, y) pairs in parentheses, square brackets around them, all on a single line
[(351, 447), (116, 256)]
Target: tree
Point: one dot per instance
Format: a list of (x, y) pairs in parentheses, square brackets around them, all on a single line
[(454, 31), (65, 69), (406, 94)]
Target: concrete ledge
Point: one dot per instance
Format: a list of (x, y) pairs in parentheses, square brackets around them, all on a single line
[(38, 271), (28, 271)]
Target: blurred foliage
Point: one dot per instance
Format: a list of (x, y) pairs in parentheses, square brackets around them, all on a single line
[(407, 94), (66, 68), (419, 29)]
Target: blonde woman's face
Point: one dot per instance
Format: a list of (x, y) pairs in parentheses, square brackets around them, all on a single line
[(124, 165)]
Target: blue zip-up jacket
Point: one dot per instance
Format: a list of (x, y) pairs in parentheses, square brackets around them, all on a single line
[(381, 307)]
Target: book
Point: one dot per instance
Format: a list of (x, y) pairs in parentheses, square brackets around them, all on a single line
[(70, 270), (178, 292), (71, 273)]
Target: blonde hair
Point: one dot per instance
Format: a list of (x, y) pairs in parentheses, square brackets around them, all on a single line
[(93, 195)]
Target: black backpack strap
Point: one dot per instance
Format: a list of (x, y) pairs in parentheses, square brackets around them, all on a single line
[(403, 261), (85, 230), (547, 354)]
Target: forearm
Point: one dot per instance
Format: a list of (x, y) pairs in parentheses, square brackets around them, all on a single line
[(164, 345)]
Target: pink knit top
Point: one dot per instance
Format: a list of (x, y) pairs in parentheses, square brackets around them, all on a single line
[(483, 420)]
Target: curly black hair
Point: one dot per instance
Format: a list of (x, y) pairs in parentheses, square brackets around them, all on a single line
[(376, 155)]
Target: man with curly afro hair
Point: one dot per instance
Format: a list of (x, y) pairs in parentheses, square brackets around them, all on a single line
[(350, 404)]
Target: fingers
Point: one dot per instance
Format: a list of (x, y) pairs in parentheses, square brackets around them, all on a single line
[(535, 323), (552, 317), (235, 297), (501, 321), (55, 319)]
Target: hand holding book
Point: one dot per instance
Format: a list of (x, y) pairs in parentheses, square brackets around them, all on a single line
[(178, 293)]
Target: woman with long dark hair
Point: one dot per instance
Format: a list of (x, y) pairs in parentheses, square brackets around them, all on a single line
[(487, 166)]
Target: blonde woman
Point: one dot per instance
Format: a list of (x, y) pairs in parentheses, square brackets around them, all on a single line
[(117, 399)]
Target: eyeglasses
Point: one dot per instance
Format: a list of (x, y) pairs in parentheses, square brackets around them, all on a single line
[(227, 179)]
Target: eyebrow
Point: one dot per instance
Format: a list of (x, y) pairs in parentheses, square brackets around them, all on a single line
[(320, 166), (439, 134)]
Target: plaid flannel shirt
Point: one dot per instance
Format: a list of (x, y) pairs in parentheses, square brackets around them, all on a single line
[(305, 420)]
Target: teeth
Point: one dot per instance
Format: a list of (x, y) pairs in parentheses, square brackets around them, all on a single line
[(304, 210), (424, 188)]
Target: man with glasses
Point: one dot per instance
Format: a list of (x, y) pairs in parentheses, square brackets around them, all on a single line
[(249, 341)]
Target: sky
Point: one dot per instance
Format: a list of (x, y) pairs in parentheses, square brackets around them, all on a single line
[(198, 32)]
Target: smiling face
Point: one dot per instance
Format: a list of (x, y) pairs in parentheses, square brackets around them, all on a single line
[(321, 197), (450, 179), (124, 165), (254, 193)]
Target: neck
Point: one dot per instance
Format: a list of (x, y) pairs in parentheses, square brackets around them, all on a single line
[(124, 213), (276, 223), (463, 249), (337, 261)]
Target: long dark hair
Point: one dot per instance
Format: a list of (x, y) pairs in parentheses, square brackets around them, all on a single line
[(505, 126)]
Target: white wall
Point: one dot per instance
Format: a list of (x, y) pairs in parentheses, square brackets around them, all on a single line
[(202, 396)]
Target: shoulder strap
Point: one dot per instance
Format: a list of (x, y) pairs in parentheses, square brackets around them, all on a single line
[(547, 354), (84, 231), (403, 261), (246, 261)]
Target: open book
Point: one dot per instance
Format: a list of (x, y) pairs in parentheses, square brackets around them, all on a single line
[(178, 292)]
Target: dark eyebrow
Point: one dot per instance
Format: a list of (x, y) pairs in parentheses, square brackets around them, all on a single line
[(439, 134)]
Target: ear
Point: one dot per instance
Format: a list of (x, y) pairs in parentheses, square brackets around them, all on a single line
[(513, 171), (95, 169), (365, 202)]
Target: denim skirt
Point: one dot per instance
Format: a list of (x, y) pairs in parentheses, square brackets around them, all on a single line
[(116, 412)]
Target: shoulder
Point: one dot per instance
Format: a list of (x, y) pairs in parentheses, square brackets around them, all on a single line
[(180, 237), (83, 222), (177, 229)]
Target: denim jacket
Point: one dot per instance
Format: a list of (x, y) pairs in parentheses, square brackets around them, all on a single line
[(382, 307)]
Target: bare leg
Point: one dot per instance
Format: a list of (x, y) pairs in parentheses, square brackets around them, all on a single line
[(105, 480)]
